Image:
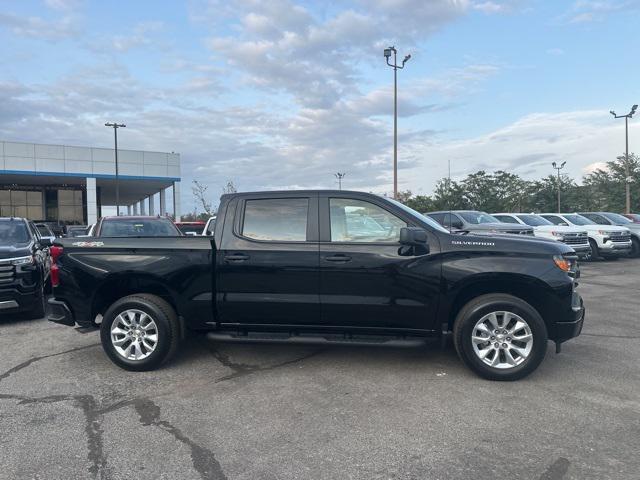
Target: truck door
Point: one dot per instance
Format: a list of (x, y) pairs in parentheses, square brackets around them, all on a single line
[(366, 278), (267, 263)]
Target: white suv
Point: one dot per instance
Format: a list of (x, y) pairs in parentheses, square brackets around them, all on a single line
[(576, 237), (606, 240)]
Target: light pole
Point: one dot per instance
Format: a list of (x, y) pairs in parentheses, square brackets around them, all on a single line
[(627, 179), (340, 176), (558, 168), (116, 126), (395, 66)]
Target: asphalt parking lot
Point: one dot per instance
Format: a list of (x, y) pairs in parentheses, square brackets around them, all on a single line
[(229, 411)]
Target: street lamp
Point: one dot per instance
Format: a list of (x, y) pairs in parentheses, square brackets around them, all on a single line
[(116, 126), (558, 168), (340, 176), (626, 155), (387, 55)]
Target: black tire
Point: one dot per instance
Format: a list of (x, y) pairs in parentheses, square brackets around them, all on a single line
[(168, 331), (483, 305), (40, 307), (635, 247), (595, 251)]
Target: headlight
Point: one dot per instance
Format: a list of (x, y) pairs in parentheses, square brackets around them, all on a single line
[(23, 261), (604, 232), (557, 234), (563, 263)]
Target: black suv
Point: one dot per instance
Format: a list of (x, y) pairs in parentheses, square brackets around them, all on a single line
[(25, 268)]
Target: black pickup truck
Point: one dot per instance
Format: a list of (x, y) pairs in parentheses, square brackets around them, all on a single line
[(24, 268), (323, 266)]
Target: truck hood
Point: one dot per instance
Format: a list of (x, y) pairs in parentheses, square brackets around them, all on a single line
[(559, 228), (606, 228), (12, 251), (499, 227)]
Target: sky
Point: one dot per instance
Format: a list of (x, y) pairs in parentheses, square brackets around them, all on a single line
[(283, 94)]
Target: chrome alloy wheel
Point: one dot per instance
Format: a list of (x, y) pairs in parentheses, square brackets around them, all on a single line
[(134, 334), (502, 339)]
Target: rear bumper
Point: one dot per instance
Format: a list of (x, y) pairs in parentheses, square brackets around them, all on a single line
[(60, 313), (572, 327)]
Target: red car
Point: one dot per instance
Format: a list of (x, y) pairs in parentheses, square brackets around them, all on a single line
[(191, 228), (634, 217)]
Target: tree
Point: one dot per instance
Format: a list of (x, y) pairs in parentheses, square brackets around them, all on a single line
[(229, 188), (200, 193)]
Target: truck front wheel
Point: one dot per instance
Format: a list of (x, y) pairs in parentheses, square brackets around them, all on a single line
[(140, 332), (500, 337)]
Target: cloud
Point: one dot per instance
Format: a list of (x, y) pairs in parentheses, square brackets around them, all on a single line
[(527, 147), (38, 27), (62, 4), (555, 51), (587, 11)]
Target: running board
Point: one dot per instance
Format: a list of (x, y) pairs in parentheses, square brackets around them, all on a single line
[(320, 339)]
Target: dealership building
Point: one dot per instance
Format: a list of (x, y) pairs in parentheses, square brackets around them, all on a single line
[(72, 184)]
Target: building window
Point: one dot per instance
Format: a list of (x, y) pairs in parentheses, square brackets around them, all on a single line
[(21, 203)]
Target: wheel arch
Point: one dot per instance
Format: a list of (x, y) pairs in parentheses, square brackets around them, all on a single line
[(121, 285), (530, 289)]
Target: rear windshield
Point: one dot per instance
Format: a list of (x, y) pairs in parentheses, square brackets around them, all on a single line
[(13, 232), (44, 230), (476, 218), (191, 228), (138, 227), (534, 220)]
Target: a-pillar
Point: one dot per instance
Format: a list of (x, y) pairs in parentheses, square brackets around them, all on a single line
[(92, 201), (176, 201)]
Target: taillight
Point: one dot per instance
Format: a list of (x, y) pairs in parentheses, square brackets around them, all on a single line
[(55, 252)]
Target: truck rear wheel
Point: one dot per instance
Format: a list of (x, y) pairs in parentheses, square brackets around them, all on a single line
[(140, 332), (500, 337)]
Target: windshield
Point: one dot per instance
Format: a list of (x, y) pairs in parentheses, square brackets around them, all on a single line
[(579, 219), (138, 227), (476, 218), (432, 223), (617, 218), (13, 232), (534, 220)]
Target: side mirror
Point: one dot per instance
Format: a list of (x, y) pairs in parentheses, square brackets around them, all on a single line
[(45, 242), (413, 236)]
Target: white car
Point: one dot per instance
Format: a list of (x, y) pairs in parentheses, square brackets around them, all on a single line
[(209, 227), (609, 241), (576, 237)]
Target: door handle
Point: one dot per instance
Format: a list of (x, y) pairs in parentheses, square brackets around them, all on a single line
[(339, 257), (236, 257)]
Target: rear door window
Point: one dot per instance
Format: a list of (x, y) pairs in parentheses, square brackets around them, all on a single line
[(276, 219)]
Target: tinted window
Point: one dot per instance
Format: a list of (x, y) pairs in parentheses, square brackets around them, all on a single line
[(138, 227), (359, 221), (506, 218), (596, 218), (578, 219), (555, 220), (276, 219), (438, 217), (44, 231), (191, 228), (617, 218), (13, 232), (476, 218), (534, 220)]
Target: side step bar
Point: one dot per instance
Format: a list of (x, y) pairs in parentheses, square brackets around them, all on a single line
[(320, 339)]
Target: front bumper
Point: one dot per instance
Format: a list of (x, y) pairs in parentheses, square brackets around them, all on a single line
[(615, 248), (60, 313), (15, 301), (567, 330)]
